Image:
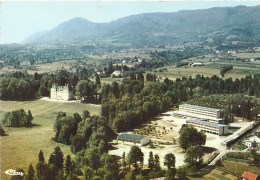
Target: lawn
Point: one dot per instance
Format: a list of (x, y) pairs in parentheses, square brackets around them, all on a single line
[(22, 145)]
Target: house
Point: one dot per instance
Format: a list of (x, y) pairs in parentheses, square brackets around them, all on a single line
[(249, 176), (231, 52), (133, 139), (141, 60), (253, 141), (61, 92), (117, 74), (197, 64)]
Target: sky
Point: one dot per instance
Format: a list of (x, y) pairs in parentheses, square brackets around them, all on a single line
[(20, 19)]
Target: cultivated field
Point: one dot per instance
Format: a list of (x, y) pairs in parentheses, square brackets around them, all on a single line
[(237, 168), (22, 145), (239, 70)]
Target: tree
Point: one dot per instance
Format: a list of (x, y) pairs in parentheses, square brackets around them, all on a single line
[(110, 166), (134, 156), (170, 174), (78, 143), (51, 159), (18, 118), (169, 160), (43, 171), (157, 162), (30, 174), (88, 173), (132, 76), (93, 158), (40, 156), (85, 88), (58, 157), (68, 165), (201, 138), (151, 161), (130, 176), (2, 131), (181, 173), (189, 136), (43, 90), (256, 158), (97, 80), (194, 155), (124, 161), (140, 76), (85, 114)]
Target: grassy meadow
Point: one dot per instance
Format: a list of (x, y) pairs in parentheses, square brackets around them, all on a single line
[(22, 145), (239, 70)]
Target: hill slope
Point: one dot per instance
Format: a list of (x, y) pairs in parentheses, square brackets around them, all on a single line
[(161, 28)]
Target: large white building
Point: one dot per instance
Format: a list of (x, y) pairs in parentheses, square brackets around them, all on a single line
[(213, 128), (133, 139), (199, 112), (61, 92)]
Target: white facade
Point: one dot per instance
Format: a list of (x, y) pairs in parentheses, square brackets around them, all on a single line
[(197, 64), (133, 139), (117, 74), (211, 112), (145, 140), (61, 93), (213, 128)]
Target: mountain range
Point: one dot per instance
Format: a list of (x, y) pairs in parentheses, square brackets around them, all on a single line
[(239, 23)]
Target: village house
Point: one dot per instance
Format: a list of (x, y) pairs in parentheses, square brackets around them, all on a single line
[(117, 74), (197, 64), (249, 176), (253, 141)]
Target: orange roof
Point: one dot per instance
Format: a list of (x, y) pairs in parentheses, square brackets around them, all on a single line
[(249, 176)]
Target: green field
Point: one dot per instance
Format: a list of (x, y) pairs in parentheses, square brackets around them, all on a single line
[(22, 145), (239, 70)]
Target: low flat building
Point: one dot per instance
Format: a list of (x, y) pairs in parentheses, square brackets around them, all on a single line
[(133, 139), (213, 128)]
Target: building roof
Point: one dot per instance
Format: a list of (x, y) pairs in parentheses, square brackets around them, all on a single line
[(200, 107), (197, 116), (207, 123), (131, 136), (249, 176)]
